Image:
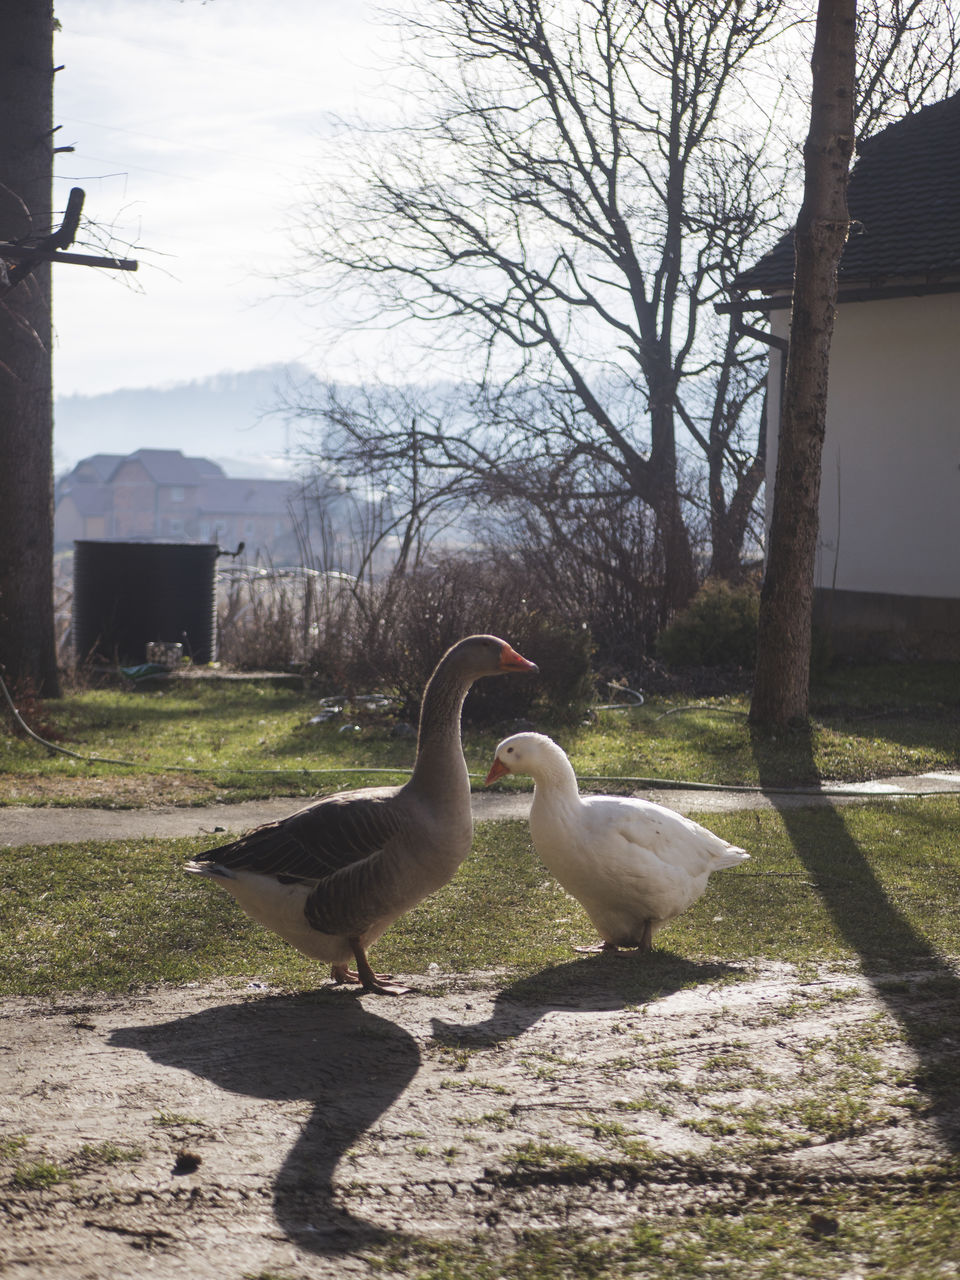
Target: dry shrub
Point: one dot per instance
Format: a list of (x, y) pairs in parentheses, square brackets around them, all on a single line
[(270, 619), (410, 620), (387, 635), (597, 565)]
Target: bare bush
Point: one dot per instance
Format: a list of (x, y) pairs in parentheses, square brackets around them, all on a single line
[(272, 619), (412, 618), (595, 565), (388, 635)]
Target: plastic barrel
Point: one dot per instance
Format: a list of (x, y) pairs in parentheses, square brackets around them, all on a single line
[(126, 594)]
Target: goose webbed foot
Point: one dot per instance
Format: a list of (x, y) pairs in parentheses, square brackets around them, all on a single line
[(388, 988), (643, 943), (342, 973), (379, 982)]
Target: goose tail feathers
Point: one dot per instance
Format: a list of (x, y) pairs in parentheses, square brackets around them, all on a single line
[(212, 870), (732, 856)]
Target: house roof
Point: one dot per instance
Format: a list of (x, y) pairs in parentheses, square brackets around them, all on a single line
[(215, 492), (170, 466), (252, 497), (98, 467), (163, 466), (903, 196)]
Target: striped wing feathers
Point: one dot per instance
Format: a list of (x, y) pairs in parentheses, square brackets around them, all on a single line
[(314, 843)]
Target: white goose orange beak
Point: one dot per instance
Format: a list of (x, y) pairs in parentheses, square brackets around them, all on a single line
[(497, 770)]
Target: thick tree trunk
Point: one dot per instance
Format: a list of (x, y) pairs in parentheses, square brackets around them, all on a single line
[(781, 692), (679, 569), (27, 639), (663, 495)]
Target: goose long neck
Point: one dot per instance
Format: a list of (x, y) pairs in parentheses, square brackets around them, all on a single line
[(556, 776), (440, 762)]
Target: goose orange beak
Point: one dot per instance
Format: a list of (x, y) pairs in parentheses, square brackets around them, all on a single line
[(510, 660), (497, 770)]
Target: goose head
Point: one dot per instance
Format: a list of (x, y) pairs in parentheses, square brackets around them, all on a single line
[(522, 753), (483, 655), (440, 764)]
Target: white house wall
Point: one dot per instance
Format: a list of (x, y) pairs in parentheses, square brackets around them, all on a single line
[(890, 487)]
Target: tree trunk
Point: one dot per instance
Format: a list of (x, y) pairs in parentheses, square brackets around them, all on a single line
[(730, 519), (781, 692), (679, 569), (27, 636), (662, 492)]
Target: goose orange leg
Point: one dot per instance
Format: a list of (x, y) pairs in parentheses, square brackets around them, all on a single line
[(645, 943), (342, 973), (374, 981)]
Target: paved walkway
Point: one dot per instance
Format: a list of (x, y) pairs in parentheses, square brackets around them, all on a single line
[(22, 825)]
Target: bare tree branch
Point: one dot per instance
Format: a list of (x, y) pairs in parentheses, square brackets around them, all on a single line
[(580, 184)]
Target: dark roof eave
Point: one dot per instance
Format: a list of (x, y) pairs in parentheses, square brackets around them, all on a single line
[(779, 298)]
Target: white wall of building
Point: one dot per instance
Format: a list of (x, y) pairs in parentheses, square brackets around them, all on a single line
[(890, 487)]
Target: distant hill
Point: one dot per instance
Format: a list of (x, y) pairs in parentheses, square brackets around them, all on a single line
[(231, 417)]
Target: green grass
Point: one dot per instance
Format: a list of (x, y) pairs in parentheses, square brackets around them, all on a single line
[(42, 1173), (877, 883), (874, 885), (109, 1153), (253, 740), (546, 1155), (39, 1176), (860, 1232), (176, 1120), (210, 735)]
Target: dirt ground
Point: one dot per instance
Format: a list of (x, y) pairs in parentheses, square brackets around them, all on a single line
[(229, 1131), (243, 1132)]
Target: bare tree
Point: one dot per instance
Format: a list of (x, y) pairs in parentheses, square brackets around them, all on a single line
[(28, 245), (395, 450), (907, 52), (571, 204), (27, 635), (576, 185), (781, 687)]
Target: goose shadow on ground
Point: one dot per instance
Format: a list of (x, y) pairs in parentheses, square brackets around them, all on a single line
[(606, 981), (324, 1048)]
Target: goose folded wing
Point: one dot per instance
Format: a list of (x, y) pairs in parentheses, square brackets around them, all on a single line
[(315, 842), (354, 898), (668, 835)]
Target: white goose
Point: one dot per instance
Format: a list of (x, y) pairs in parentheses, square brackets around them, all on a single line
[(633, 865), (333, 876)]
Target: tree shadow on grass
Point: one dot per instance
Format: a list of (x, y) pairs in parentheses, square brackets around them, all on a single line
[(889, 946), (606, 981), (324, 1048)]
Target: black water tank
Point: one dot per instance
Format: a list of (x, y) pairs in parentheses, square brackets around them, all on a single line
[(126, 594)]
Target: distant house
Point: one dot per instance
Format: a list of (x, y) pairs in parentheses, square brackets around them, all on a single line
[(888, 564), (162, 495)]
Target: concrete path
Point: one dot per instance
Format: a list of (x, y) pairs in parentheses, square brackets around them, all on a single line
[(22, 825)]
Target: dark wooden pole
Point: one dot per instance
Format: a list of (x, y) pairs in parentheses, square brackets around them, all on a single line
[(781, 692), (27, 635)]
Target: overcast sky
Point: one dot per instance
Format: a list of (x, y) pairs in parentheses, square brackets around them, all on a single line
[(195, 126)]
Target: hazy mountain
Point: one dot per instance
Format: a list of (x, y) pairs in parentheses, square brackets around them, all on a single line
[(232, 418)]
